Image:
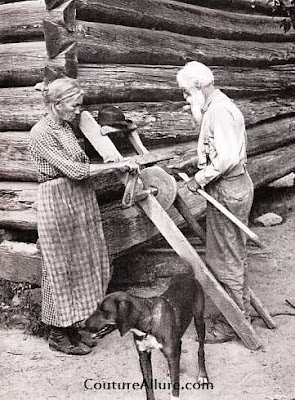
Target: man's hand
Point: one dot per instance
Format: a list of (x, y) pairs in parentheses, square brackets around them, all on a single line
[(188, 166), (193, 185)]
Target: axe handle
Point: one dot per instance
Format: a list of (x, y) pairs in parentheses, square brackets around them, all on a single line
[(227, 213)]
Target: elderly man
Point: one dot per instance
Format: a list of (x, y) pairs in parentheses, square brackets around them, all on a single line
[(221, 162)]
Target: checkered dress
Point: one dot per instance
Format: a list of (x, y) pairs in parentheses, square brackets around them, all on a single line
[(75, 263)]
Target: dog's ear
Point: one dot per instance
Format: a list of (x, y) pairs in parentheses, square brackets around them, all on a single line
[(124, 315)]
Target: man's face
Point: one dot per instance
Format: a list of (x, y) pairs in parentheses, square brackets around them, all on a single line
[(196, 98)]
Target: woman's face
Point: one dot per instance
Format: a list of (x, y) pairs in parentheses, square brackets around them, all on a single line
[(69, 109)]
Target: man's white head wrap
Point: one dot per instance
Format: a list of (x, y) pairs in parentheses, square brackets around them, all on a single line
[(195, 74)]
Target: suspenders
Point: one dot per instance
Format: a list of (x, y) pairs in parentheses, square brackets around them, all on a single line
[(207, 148)]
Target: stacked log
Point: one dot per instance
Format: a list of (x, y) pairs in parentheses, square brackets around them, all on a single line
[(127, 53)]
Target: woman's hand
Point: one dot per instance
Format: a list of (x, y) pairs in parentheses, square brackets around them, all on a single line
[(125, 165), (130, 165)]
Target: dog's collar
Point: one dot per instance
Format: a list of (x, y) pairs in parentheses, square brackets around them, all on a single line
[(139, 333)]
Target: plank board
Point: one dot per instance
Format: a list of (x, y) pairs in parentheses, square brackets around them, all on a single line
[(211, 287)]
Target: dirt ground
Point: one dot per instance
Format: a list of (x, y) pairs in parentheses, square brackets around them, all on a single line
[(29, 370)]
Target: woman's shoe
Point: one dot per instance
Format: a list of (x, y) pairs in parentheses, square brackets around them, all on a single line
[(78, 336), (59, 340)]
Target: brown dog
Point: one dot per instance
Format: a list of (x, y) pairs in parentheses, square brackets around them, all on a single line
[(156, 322)]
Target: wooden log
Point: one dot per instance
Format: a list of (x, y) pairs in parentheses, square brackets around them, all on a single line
[(118, 84), (128, 45), (128, 228), (62, 12), (20, 108), (25, 64), (140, 82), (15, 163), (262, 137), (20, 262), (158, 136), (186, 19), (247, 6), (22, 21), (11, 1), (267, 167), (166, 122), (170, 15), (155, 83), (22, 64), (128, 225), (18, 196), (65, 63), (124, 228)]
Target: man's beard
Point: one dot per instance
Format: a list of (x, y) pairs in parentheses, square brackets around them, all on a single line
[(197, 104)]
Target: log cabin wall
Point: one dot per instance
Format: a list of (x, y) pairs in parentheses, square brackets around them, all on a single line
[(128, 53)]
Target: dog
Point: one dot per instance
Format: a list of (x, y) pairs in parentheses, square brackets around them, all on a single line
[(157, 323)]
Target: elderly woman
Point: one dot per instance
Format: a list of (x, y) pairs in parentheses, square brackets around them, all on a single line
[(75, 263)]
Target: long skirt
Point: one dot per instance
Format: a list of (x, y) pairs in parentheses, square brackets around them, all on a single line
[(225, 242), (75, 263)]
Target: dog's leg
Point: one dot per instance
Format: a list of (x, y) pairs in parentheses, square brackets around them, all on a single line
[(173, 358), (146, 369), (200, 328)]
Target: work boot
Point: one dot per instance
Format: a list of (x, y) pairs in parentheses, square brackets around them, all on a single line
[(220, 333), (59, 340), (78, 336)]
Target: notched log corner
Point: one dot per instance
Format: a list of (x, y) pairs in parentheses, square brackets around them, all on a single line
[(64, 64), (56, 43), (63, 13)]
